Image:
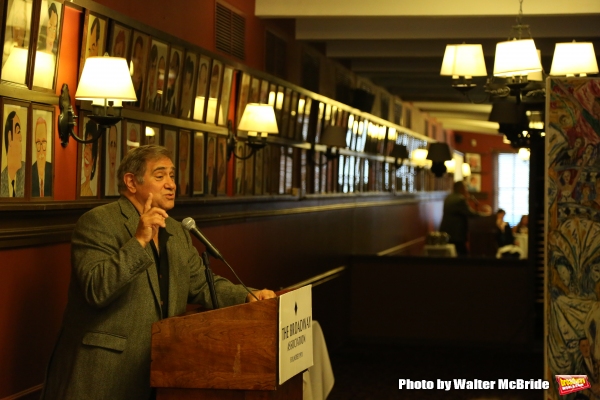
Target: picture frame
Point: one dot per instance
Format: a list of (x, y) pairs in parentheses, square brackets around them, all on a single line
[(188, 84), (42, 150), (120, 40), (211, 164), (258, 172), (112, 155), (183, 163), (244, 90), (474, 183), (173, 82), (198, 171), (17, 41), (157, 73), (249, 174), (214, 91), (225, 100), (93, 41), (48, 43), (263, 97), (169, 141), (14, 175), (221, 165), (132, 137), (140, 44), (202, 84), (238, 187), (254, 94), (88, 172), (474, 161)]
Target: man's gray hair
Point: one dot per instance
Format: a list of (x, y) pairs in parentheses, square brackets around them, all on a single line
[(135, 162)]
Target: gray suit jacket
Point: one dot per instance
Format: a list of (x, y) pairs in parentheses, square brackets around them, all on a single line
[(19, 182), (103, 351)]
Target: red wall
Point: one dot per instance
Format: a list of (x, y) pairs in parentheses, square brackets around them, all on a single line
[(488, 146)]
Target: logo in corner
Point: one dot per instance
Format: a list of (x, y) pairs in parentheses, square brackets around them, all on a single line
[(571, 383)]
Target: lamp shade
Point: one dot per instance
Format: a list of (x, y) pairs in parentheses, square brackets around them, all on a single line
[(574, 59), (463, 60), (516, 58), (334, 136), (105, 78), (258, 118), (399, 151), (419, 158), (439, 152), (450, 165), (16, 65), (466, 169)]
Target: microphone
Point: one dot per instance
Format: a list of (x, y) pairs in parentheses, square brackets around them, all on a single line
[(190, 225)]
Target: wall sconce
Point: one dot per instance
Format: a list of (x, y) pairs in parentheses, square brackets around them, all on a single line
[(107, 83), (419, 158), (438, 153), (400, 153), (257, 118), (332, 137), (450, 166)]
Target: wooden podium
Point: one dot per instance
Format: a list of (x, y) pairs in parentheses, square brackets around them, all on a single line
[(229, 353)]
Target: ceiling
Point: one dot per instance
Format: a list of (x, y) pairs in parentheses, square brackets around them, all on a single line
[(399, 44)]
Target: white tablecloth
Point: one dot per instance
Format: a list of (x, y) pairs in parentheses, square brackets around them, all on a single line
[(318, 379)]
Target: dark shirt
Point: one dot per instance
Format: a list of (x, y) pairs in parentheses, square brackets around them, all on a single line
[(456, 217), (161, 260)]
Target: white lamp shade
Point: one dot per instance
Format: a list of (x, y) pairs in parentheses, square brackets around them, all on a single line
[(466, 169), (419, 158), (574, 59), (463, 60), (258, 118), (105, 78), (516, 58), (450, 166), (43, 75)]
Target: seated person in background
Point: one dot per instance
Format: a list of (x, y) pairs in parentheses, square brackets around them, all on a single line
[(504, 235), (523, 225), (132, 265), (455, 221)]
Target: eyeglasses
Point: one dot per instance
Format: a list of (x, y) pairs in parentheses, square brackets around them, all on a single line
[(40, 145)]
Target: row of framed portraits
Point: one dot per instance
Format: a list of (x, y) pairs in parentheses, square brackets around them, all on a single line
[(200, 160), (26, 164)]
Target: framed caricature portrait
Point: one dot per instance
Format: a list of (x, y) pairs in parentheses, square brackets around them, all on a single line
[(17, 37), (188, 80), (46, 54), (132, 136), (172, 84), (201, 88), (120, 38), (157, 70), (263, 97), (89, 160), (183, 163), (170, 141), (244, 89), (474, 183), (254, 94), (14, 149), (112, 155), (151, 134), (258, 172), (139, 53), (474, 161), (198, 171), (214, 91), (211, 164), (221, 165), (238, 186), (42, 145), (93, 43), (225, 96)]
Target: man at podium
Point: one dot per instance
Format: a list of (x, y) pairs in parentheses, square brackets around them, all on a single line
[(132, 265)]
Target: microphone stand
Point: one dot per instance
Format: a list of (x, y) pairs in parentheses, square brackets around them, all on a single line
[(210, 280)]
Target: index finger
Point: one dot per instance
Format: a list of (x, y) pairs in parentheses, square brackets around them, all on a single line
[(148, 204)]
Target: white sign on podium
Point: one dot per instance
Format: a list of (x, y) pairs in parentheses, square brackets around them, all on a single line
[(295, 332)]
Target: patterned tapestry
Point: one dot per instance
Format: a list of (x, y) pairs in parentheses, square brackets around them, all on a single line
[(573, 238)]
